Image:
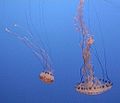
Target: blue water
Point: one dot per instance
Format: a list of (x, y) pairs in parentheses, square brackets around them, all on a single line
[(19, 68)]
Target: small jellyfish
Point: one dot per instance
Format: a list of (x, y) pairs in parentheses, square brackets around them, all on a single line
[(89, 84), (27, 36), (47, 75)]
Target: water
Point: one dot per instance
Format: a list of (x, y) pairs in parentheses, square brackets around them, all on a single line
[(19, 68)]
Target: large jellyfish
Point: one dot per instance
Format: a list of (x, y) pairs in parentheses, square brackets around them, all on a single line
[(89, 84), (27, 38)]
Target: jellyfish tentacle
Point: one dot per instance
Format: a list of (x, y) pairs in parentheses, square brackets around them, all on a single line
[(39, 52), (25, 30), (79, 22)]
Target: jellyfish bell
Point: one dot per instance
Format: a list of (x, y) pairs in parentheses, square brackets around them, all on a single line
[(96, 88), (47, 77)]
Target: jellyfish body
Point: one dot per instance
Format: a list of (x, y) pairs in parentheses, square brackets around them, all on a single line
[(46, 76), (31, 38), (89, 84), (93, 87)]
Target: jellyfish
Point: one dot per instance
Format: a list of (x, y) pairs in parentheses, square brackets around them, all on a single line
[(27, 38), (90, 84)]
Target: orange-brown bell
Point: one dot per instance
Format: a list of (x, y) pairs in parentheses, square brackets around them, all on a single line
[(47, 77)]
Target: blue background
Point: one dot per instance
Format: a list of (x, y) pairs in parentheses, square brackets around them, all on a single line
[(19, 68)]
